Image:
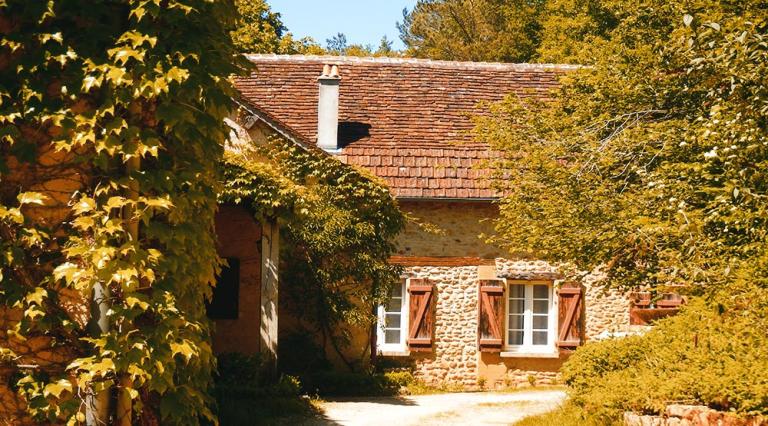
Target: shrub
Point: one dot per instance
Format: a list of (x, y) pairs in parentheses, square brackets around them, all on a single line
[(248, 393), (711, 354)]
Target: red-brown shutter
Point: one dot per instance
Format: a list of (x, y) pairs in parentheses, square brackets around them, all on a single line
[(570, 324), (421, 318), (490, 315)]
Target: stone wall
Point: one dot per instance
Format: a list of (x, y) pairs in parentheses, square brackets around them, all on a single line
[(454, 357), (455, 360), (607, 310), (448, 229), (239, 236), (691, 415)]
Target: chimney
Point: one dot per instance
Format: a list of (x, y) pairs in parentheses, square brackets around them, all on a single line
[(328, 109)]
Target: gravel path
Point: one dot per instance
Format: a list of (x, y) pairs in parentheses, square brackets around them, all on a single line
[(480, 408)]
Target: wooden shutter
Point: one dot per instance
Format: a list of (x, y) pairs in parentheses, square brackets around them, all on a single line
[(570, 324), (490, 315), (421, 317)]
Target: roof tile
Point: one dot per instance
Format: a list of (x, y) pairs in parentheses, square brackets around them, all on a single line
[(406, 120)]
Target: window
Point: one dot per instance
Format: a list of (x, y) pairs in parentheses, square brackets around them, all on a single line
[(224, 304), (393, 321), (530, 318)]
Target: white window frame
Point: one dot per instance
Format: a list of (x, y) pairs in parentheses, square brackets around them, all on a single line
[(402, 346), (528, 348)]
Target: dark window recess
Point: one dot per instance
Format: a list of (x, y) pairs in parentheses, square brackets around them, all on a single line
[(225, 302)]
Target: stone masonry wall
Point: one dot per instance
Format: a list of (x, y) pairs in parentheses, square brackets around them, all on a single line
[(607, 311), (448, 229), (454, 358)]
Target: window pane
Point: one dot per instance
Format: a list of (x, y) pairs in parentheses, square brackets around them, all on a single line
[(541, 292), (516, 306), (393, 321), (392, 336), (540, 306), (515, 322), (515, 337), (394, 304), (540, 322), (539, 337), (517, 291), (397, 291)]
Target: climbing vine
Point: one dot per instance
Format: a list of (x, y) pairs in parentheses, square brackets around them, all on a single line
[(338, 223), (111, 124)]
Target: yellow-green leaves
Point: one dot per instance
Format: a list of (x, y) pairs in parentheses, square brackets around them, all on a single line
[(184, 348), (88, 87), (57, 388), (32, 198)]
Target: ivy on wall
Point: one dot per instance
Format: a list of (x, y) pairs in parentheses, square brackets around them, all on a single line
[(337, 222), (111, 125)]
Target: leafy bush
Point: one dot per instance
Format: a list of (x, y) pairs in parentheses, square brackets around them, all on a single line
[(567, 415), (712, 353), (336, 383), (247, 392), (400, 378)]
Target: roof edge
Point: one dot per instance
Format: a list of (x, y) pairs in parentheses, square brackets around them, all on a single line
[(427, 63)]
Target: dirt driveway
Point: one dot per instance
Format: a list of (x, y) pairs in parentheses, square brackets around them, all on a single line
[(480, 408)]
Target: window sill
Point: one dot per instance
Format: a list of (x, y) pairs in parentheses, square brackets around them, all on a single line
[(510, 354), (394, 353)]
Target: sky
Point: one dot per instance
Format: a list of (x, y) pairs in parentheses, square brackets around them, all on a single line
[(362, 21)]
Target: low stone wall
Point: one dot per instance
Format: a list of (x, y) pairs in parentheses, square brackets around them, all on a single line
[(691, 415)]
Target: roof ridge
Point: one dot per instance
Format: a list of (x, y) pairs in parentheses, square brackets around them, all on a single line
[(431, 63)]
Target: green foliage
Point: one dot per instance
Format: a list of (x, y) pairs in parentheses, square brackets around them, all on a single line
[(652, 162), (260, 30), (466, 30), (338, 223), (337, 45), (111, 121), (706, 355), (573, 31), (365, 383), (247, 393), (567, 415), (300, 354)]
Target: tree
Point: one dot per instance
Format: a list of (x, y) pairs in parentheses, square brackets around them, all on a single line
[(473, 30), (111, 125), (337, 45), (260, 30), (572, 31), (652, 162)]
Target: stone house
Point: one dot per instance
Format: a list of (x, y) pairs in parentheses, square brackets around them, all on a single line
[(467, 313)]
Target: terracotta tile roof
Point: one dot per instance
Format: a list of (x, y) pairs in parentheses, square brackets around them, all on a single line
[(406, 120)]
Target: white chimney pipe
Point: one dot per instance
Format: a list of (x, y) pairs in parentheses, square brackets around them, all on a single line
[(328, 109)]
